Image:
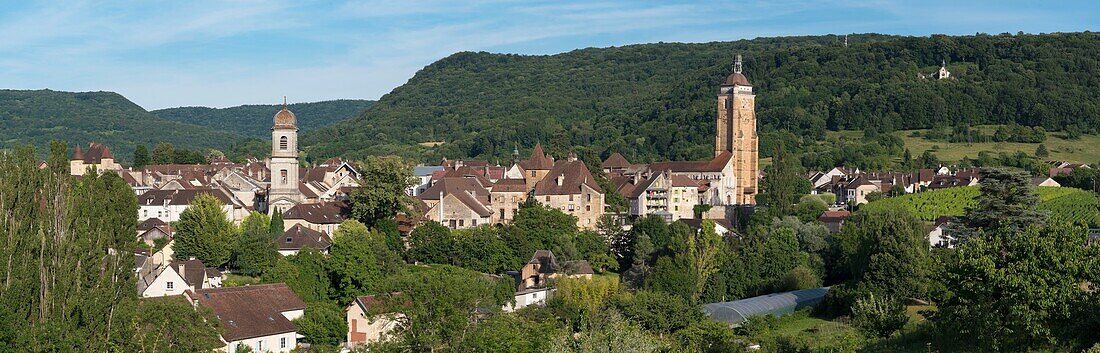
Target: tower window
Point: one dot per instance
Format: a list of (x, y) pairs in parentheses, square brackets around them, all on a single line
[(283, 143), (282, 173)]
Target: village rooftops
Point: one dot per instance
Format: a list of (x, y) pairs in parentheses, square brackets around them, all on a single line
[(180, 197), (299, 237), (96, 152), (615, 161), (510, 185), (194, 272), (566, 178), (319, 212), (251, 311), (466, 190)]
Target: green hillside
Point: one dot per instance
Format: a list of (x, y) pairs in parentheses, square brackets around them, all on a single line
[(1064, 204), (255, 120), (656, 101), (38, 117)]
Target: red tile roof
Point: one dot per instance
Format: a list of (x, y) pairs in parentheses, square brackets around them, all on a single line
[(466, 190), (714, 165), (615, 160), (538, 161), (251, 311), (573, 174), (299, 237), (319, 212)]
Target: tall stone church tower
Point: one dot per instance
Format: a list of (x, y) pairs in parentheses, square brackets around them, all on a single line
[(736, 132), (284, 192)]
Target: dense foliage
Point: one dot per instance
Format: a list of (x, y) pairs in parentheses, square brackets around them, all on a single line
[(656, 101), (1063, 203), (254, 120), (36, 117)]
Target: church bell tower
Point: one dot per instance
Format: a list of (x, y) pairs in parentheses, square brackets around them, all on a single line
[(284, 161), (736, 132)]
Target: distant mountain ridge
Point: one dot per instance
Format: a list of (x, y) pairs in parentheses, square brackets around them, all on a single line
[(36, 117), (255, 120), (657, 101)]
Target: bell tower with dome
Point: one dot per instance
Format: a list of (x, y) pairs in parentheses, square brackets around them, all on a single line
[(284, 192), (736, 132)]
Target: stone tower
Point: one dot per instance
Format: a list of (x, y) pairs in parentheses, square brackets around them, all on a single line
[(284, 161), (736, 132)]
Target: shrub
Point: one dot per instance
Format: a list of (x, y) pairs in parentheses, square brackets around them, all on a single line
[(800, 278), (878, 316)]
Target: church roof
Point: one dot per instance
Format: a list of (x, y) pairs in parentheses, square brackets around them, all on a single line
[(714, 165), (737, 79), (538, 161), (285, 119)]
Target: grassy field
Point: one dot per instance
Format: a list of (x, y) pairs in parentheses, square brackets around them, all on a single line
[(234, 280), (1084, 150)]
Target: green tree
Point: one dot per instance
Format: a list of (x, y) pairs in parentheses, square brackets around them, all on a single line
[(276, 226), (1042, 151), (885, 250), (306, 273), (879, 316), (593, 247), (204, 232), (141, 157), (510, 334), (481, 249), (323, 324), (169, 324), (359, 260), (548, 228), (163, 153), (1007, 201), (579, 299), (782, 185), (609, 334), (657, 311), (382, 194), (1017, 291), (431, 242), (255, 250)]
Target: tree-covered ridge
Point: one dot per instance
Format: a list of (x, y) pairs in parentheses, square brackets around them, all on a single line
[(656, 101), (254, 120), (37, 117)]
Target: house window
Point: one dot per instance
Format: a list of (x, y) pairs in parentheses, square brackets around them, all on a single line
[(461, 223), (589, 197), (283, 174), (454, 224), (547, 198), (282, 342), (283, 143), (259, 346), (502, 213), (170, 285), (532, 174), (588, 207), (513, 199), (288, 240), (570, 197), (473, 222), (570, 207)]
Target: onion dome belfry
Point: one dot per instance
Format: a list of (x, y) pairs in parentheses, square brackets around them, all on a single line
[(737, 78), (285, 119)]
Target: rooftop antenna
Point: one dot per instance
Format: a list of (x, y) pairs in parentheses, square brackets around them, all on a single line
[(737, 64)]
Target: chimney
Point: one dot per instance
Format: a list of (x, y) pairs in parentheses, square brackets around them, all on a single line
[(572, 156), (561, 179), (180, 269)]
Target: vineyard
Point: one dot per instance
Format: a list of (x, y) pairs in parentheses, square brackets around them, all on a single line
[(1065, 204)]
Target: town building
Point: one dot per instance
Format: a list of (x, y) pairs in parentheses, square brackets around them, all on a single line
[(369, 320), (256, 316), (299, 237), (97, 156), (175, 278), (736, 133), (671, 196)]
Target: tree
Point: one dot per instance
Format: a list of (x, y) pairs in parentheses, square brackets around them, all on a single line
[(141, 157), (481, 249), (431, 242), (548, 228), (163, 153), (810, 208), (323, 324), (657, 311), (382, 193), (510, 334), (305, 273), (255, 250), (768, 258), (580, 299), (359, 260), (276, 226), (879, 316), (1007, 201), (593, 247), (439, 303), (1017, 291), (609, 334), (204, 232), (811, 236), (782, 184), (702, 248), (885, 250), (169, 324), (1042, 151)]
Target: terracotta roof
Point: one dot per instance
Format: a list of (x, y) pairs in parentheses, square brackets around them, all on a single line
[(306, 191), (319, 212), (737, 78), (469, 172), (641, 188), (285, 119), (180, 197), (546, 261), (579, 267), (682, 181), (510, 185), (150, 224), (716, 164), (299, 237), (194, 271), (538, 161), (96, 152), (615, 160), (573, 174), (833, 216), (466, 190), (251, 311)]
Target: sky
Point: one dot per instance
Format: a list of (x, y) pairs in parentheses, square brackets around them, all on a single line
[(163, 54)]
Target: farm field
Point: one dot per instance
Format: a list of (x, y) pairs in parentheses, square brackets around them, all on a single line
[(1084, 150), (1065, 204)]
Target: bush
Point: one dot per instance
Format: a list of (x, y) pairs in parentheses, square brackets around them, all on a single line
[(878, 316), (800, 278)]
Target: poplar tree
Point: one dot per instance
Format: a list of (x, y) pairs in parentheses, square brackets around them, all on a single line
[(204, 232)]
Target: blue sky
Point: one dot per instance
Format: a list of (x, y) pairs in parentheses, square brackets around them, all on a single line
[(183, 53)]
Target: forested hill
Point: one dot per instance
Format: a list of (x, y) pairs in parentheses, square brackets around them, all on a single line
[(657, 101), (40, 116), (255, 120)]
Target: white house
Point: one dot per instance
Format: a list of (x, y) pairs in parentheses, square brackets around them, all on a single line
[(366, 322), (167, 205), (175, 278), (937, 236), (530, 296), (256, 316)]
